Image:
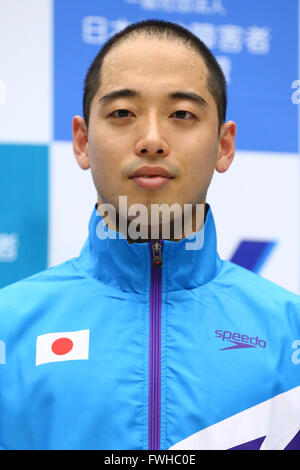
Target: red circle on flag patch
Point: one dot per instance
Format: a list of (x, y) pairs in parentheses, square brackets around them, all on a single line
[(62, 346)]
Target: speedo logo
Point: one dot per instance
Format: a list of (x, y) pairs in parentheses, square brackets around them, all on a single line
[(239, 340)]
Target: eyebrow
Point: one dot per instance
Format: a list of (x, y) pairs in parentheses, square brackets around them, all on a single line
[(188, 95), (131, 93), (115, 94)]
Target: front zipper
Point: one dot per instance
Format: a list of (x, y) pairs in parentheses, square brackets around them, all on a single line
[(154, 401), (156, 254)]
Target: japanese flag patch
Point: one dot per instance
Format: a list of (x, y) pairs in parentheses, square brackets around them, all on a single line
[(63, 346)]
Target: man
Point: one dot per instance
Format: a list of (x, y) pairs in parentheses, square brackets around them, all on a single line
[(144, 342)]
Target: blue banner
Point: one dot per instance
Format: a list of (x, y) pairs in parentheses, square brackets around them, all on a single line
[(24, 211), (256, 48)]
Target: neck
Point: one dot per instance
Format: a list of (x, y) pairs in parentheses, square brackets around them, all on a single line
[(163, 222), (189, 263)]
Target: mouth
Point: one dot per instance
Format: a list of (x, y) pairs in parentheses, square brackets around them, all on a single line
[(151, 177)]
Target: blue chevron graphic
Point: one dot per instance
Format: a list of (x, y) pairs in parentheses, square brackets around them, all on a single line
[(253, 254)]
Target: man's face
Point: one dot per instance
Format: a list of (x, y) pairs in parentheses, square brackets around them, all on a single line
[(167, 121)]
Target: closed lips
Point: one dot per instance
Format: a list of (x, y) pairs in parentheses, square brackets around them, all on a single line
[(149, 172), (149, 177)]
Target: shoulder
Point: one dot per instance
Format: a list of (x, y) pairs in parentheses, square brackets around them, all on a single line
[(254, 287), (60, 272), (257, 300), (30, 293)]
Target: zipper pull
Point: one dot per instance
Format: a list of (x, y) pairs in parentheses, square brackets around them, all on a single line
[(156, 255)]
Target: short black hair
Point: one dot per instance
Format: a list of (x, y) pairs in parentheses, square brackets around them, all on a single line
[(216, 81)]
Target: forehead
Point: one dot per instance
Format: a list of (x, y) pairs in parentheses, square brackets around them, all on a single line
[(146, 61)]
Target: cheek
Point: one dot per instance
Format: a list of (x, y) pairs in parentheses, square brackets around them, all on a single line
[(200, 167), (100, 171), (99, 157)]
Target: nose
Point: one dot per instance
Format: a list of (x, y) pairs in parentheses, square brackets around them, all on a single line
[(151, 141)]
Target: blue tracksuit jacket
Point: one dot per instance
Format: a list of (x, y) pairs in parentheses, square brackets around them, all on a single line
[(109, 351)]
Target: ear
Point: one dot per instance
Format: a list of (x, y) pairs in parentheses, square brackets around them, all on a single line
[(80, 142), (226, 146)]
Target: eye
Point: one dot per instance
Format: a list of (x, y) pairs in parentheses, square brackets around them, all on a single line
[(181, 114), (122, 113)]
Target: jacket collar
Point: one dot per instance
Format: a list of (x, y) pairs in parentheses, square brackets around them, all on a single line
[(112, 260)]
